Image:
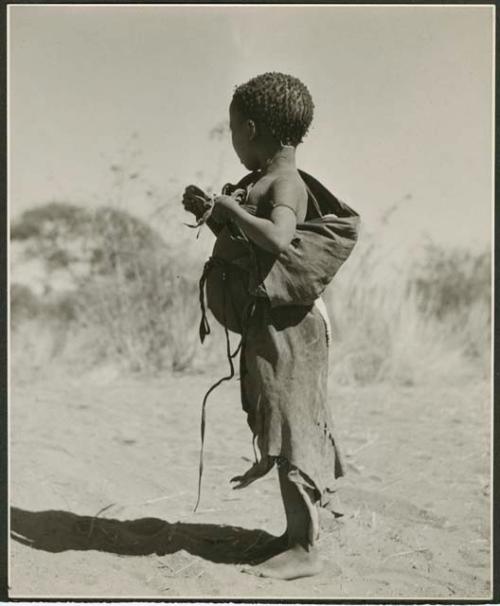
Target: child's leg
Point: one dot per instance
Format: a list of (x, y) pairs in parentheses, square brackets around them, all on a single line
[(312, 510), (301, 558), (298, 507)]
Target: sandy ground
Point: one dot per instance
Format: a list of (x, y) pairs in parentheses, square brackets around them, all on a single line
[(416, 499)]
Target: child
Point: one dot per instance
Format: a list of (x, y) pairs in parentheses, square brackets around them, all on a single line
[(284, 355)]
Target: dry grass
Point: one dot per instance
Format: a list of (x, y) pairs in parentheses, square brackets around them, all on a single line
[(410, 320)]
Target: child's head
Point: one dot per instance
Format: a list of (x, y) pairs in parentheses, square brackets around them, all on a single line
[(274, 106)]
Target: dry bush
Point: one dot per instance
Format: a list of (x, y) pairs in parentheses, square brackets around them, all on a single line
[(146, 321), (410, 320), (132, 294)]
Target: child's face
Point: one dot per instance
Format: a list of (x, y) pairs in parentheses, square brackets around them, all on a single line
[(243, 138)]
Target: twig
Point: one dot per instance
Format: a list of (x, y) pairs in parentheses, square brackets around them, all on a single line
[(104, 509), (328, 534), (365, 445), (183, 568), (387, 484), (172, 496), (402, 553), (355, 468), (92, 522)]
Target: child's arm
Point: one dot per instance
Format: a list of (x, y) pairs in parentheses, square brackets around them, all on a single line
[(276, 233)]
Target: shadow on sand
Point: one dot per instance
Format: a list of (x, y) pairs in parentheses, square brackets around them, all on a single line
[(57, 531)]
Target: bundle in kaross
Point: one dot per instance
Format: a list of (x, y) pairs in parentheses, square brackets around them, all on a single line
[(238, 271)]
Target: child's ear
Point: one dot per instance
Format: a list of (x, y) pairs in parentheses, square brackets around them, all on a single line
[(252, 130)]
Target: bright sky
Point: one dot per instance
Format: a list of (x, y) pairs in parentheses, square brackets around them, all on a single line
[(403, 98)]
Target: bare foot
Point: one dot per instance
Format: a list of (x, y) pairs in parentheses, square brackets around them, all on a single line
[(271, 547), (294, 563)]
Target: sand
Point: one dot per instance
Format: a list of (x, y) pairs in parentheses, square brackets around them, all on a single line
[(416, 499)]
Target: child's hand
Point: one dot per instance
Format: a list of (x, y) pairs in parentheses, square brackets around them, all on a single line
[(222, 207)]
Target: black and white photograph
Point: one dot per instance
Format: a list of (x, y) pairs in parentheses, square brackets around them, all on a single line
[(250, 287)]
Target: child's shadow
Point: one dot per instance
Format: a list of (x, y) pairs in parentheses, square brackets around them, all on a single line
[(57, 531)]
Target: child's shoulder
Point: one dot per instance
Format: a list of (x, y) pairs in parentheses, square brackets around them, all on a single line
[(286, 183), (266, 191)]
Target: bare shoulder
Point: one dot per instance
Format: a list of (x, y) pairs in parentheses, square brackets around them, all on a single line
[(288, 190), (280, 189), (288, 185)]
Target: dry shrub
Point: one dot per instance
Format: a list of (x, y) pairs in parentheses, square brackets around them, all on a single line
[(130, 292), (24, 305), (410, 320), (40, 330), (146, 321)]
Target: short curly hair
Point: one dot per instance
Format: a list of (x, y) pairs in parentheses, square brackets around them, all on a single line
[(280, 102)]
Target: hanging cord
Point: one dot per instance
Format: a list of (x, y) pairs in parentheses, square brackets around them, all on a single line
[(204, 329), (230, 356)]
